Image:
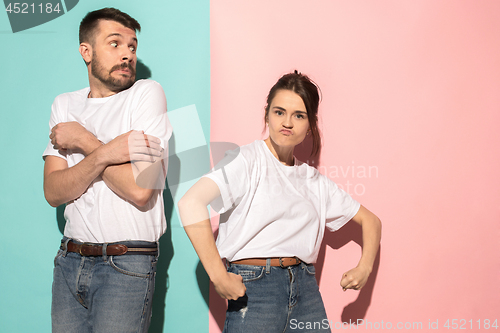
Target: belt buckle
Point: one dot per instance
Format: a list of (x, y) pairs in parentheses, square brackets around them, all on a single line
[(281, 262), (297, 261), (81, 248)]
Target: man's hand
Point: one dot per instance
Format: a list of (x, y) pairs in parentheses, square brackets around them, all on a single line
[(72, 135), (230, 286), (355, 278), (133, 146), (146, 157)]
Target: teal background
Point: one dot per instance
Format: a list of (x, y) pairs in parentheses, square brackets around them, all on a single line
[(37, 65)]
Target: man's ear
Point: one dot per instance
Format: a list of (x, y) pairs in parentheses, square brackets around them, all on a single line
[(86, 52)]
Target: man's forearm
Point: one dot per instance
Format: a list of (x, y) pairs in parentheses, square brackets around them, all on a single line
[(121, 180), (118, 173), (63, 184)]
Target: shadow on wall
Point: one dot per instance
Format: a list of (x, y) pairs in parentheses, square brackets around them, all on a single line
[(166, 255), (142, 71), (302, 152), (336, 240), (166, 250)]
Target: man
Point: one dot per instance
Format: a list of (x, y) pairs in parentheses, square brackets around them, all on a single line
[(105, 162)]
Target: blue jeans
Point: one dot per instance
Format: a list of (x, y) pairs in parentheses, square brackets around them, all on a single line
[(277, 300), (103, 294)]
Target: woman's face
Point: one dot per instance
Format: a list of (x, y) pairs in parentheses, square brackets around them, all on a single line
[(287, 119)]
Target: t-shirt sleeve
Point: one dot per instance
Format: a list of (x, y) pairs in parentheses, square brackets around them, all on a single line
[(231, 176), (57, 115), (340, 207), (150, 114)]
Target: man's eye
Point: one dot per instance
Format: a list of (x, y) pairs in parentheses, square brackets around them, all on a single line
[(132, 48), (114, 44)]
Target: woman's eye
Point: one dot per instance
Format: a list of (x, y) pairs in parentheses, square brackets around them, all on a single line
[(132, 48), (278, 112), (114, 44)]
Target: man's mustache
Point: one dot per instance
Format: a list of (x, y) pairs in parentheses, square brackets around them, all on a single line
[(123, 65)]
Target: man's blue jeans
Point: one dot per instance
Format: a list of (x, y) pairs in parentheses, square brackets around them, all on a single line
[(277, 300), (103, 294)]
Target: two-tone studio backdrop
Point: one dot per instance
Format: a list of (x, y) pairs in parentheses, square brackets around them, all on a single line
[(410, 117)]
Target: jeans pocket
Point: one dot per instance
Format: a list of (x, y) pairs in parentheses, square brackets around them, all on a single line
[(248, 273), (238, 304), (142, 266), (310, 269), (59, 253)]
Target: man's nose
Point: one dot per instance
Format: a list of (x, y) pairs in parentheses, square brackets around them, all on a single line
[(127, 55)]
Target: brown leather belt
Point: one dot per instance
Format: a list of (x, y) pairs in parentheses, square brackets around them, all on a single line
[(95, 250), (281, 262)]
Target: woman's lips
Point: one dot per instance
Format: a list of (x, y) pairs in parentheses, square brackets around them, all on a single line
[(286, 132)]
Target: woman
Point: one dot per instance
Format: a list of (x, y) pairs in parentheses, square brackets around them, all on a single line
[(274, 210)]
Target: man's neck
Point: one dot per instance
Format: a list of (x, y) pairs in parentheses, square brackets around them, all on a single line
[(99, 90)]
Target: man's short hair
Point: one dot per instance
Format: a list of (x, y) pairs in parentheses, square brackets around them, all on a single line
[(91, 20)]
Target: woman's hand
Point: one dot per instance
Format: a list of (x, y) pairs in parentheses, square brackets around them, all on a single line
[(230, 286), (355, 278)]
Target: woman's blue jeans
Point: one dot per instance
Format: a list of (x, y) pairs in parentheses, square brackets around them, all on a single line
[(103, 294), (277, 300)]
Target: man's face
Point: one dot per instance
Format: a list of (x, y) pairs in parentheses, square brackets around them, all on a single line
[(114, 55)]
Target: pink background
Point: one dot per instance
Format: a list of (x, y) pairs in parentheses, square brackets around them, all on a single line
[(411, 93)]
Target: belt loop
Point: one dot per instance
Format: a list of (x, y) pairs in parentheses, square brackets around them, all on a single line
[(268, 265), (65, 246), (104, 254)]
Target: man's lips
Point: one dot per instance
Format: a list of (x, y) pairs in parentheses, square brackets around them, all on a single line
[(123, 69)]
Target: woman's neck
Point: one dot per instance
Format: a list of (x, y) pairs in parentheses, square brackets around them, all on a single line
[(283, 154)]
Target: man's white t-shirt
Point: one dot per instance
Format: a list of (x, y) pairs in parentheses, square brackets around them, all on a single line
[(99, 215), (272, 210)]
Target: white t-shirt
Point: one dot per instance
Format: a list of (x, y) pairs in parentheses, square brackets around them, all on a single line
[(272, 210), (99, 215)]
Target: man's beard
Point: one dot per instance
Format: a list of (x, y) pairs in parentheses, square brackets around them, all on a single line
[(113, 84)]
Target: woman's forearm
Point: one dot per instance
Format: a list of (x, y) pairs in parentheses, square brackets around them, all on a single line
[(371, 230), (201, 236), (195, 218)]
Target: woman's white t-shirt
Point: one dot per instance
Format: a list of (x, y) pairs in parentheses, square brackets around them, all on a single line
[(272, 210)]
